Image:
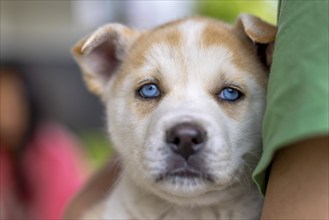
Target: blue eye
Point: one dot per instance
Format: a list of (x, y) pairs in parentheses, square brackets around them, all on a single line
[(230, 94), (149, 91)]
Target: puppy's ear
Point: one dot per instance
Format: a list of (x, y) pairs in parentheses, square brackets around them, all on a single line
[(261, 33), (100, 54)]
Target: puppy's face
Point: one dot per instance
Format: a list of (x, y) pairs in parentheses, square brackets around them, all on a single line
[(184, 103)]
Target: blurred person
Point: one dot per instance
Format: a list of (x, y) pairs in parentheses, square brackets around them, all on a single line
[(41, 162)]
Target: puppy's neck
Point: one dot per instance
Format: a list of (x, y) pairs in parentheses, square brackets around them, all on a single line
[(131, 201)]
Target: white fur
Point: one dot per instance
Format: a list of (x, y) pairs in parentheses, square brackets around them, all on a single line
[(190, 71)]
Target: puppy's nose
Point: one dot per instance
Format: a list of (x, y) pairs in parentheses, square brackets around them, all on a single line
[(186, 139)]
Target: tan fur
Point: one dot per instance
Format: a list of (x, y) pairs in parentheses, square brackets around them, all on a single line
[(217, 33), (252, 26), (142, 45)]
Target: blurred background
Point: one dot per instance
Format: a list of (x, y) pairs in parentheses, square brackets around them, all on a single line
[(35, 41)]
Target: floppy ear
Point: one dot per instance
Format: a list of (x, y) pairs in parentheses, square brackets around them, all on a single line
[(100, 54), (261, 33)]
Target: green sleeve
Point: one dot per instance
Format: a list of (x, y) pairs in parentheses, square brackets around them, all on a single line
[(297, 100)]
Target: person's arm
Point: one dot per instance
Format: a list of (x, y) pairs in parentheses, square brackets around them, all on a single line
[(298, 183)]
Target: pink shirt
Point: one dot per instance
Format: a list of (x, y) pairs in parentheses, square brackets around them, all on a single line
[(53, 172)]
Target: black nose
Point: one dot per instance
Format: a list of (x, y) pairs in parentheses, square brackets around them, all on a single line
[(186, 139)]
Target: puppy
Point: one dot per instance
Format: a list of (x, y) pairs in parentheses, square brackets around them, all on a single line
[(184, 105)]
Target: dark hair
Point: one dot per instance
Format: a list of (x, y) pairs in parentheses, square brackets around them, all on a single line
[(33, 106)]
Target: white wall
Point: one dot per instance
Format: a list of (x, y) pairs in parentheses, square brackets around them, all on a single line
[(46, 30)]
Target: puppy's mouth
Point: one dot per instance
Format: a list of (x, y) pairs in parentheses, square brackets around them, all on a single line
[(185, 170), (184, 173)]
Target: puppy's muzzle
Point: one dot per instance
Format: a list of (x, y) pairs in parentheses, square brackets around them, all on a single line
[(186, 139)]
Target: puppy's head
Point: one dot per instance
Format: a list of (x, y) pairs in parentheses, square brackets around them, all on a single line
[(184, 101)]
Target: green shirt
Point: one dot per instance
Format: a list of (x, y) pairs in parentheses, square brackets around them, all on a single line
[(298, 96)]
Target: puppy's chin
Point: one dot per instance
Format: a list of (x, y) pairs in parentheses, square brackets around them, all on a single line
[(185, 191)]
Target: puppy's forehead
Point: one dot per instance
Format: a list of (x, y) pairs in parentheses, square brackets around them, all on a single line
[(191, 39)]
